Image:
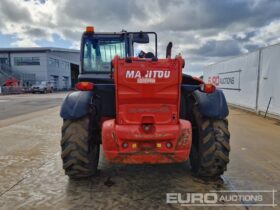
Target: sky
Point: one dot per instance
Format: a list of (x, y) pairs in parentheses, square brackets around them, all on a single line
[(203, 31)]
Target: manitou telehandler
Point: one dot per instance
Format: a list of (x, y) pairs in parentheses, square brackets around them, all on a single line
[(141, 109)]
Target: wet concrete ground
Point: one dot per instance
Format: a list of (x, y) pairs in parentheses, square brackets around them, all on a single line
[(31, 175), (14, 105)]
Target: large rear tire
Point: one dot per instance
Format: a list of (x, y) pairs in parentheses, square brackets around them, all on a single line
[(80, 157), (210, 149)]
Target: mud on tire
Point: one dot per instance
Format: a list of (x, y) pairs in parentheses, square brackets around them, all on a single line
[(210, 150), (80, 159)]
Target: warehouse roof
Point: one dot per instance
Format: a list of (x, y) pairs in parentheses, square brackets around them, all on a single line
[(38, 49)]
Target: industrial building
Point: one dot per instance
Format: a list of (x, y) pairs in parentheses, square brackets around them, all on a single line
[(28, 65), (250, 81)]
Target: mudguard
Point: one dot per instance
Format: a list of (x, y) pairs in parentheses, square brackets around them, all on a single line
[(76, 105), (212, 105)]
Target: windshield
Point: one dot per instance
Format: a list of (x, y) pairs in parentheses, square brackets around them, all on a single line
[(99, 53)]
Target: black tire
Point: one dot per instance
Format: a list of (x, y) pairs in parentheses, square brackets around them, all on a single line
[(80, 159), (210, 149)]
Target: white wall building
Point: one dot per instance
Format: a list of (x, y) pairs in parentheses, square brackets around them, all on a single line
[(58, 65), (251, 80)]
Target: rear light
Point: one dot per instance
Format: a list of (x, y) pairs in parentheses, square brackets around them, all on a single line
[(125, 145), (158, 145), (85, 86), (134, 146), (208, 88), (169, 145)]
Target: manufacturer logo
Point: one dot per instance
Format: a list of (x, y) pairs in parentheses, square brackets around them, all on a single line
[(148, 77), (148, 74)]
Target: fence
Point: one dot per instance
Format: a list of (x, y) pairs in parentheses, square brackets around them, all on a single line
[(250, 81)]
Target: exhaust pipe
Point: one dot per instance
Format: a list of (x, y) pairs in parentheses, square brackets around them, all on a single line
[(168, 50)]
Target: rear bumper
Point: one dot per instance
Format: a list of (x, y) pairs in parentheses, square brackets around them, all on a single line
[(130, 145)]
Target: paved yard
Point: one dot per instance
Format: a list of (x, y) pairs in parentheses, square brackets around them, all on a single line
[(31, 175)]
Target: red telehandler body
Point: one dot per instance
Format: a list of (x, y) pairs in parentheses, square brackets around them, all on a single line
[(141, 109)]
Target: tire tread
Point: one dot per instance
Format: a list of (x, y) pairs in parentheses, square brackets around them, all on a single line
[(213, 144), (76, 157)]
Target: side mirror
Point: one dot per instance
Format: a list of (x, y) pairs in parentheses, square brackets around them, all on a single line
[(141, 38)]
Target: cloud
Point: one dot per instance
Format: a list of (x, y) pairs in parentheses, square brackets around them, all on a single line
[(12, 12), (203, 31), (244, 37), (24, 43), (27, 21), (251, 47), (219, 48), (229, 14), (35, 32), (104, 15)]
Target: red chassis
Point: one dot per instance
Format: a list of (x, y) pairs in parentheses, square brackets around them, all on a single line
[(147, 128)]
